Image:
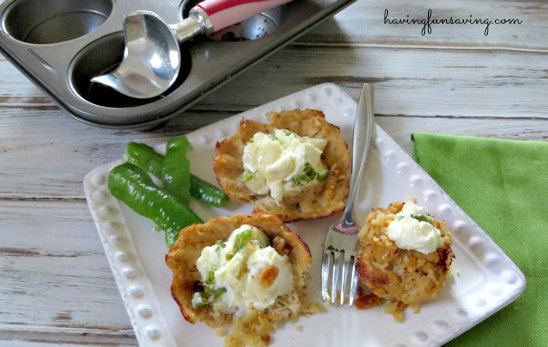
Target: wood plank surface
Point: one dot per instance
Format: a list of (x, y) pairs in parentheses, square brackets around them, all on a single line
[(415, 82), (49, 164), (412, 82), (55, 276), (363, 24)]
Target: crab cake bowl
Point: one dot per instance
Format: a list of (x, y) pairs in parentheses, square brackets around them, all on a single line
[(244, 274), (405, 254), (296, 166)]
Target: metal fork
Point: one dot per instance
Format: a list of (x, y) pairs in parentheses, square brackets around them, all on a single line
[(339, 254)]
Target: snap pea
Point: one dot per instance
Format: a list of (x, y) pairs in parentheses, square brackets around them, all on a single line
[(176, 168), (146, 158), (206, 192), (135, 188)]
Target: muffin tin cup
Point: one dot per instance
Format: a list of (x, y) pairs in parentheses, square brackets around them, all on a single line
[(61, 44), (53, 21)]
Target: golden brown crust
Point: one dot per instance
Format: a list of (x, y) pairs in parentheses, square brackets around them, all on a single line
[(314, 201), (398, 275), (182, 257)]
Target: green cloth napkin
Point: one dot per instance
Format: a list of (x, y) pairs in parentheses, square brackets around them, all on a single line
[(503, 186)]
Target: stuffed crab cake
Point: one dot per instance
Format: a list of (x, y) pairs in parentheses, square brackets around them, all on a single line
[(244, 273), (405, 256), (296, 167)]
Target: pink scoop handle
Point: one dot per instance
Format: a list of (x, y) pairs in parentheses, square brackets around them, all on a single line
[(224, 13)]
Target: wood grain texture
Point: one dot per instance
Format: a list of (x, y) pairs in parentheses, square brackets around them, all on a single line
[(407, 81), (362, 23), (65, 339), (55, 277), (38, 164), (415, 82)]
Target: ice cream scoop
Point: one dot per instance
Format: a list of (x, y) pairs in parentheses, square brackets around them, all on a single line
[(152, 58)]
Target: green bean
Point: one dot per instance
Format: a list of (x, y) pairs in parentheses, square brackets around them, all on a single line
[(146, 158), (176, 168), (135, 188), (207, 192)]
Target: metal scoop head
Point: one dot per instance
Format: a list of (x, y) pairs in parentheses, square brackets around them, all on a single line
[(151, 59)]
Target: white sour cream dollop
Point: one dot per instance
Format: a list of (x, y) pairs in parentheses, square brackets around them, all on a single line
[(237, 272), (413, 230), (282, 163)]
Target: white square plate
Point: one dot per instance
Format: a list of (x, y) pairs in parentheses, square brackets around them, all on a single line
[(483, 279)]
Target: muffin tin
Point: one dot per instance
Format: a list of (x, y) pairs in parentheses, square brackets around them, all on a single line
[(61, 44)]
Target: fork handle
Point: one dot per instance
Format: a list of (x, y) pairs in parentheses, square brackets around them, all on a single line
[(363, 129)]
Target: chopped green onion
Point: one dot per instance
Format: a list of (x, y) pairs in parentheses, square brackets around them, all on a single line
[(210, 277), (422, 218), (200, 304), (198, 300), (220, 245), (322, 176), (308, 175), (248, 175), (309, 171), (242, 239), (214, 293)]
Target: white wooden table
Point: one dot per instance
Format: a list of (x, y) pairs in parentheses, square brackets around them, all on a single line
[(55, 284)]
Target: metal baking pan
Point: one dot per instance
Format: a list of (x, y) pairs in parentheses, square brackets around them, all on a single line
[(61, 44)]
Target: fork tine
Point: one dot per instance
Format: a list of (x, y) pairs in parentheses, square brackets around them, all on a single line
[(343, 280), (354, 281), (339, 258), (325, 274)]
